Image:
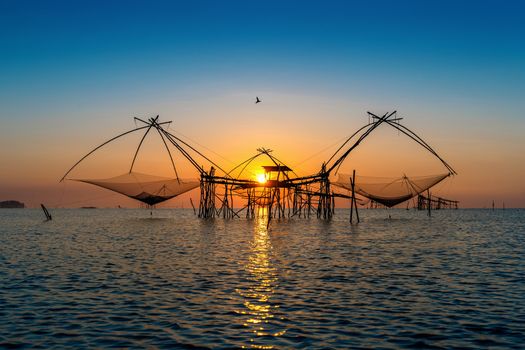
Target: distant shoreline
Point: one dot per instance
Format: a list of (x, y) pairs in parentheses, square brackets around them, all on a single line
[(11, 204)]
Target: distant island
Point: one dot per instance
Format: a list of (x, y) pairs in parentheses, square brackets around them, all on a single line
[(12, 204)]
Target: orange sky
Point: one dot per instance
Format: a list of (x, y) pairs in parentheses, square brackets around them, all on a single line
[(302, 130), (74, 75)]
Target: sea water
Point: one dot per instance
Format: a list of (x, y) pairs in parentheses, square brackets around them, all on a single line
[(399, 279)]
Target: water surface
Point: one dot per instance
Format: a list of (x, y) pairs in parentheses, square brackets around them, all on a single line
[(117, 277)]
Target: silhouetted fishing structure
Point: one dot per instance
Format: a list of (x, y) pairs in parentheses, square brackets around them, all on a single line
[(277, 193), (435, 203)]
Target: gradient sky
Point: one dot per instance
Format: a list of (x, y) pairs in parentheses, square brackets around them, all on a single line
[(72, 74)]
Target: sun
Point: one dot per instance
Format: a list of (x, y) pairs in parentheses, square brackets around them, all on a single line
[(261, 178)]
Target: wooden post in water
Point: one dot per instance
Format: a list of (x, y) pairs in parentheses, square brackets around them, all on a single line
[(353, 201), (193, 206), (46, 213), (429, 203)]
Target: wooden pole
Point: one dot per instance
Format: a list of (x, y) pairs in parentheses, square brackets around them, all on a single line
[(46, 212), (193, 206), (353, 200), (428, 202)]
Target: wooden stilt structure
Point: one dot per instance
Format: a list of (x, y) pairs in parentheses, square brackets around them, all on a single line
[(324, 206), (281, 195), (207, 201), (436, 203)]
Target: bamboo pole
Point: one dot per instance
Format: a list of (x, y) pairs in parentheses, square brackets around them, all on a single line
[(429, 203), (353, 201)]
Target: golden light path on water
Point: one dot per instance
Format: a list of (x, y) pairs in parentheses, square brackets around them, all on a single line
[(259, 310)]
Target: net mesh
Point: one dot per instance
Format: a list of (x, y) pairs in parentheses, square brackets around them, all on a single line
[(389, 191), (149, 189)]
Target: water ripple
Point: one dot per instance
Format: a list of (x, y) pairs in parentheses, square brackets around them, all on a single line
[(116, 278)]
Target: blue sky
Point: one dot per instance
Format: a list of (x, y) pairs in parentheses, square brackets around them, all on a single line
[(460, 61), (104, 46)]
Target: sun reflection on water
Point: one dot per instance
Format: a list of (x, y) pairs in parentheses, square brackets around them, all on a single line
[(260, 315)]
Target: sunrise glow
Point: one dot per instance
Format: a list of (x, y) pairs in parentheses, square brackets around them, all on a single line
[(261, 178)]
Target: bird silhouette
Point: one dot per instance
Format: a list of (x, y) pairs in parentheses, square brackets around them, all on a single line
[(257, 99)]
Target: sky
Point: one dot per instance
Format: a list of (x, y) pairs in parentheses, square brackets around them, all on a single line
[(75, 73)]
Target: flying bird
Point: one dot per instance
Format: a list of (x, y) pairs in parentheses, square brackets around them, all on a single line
[(257, 99)]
